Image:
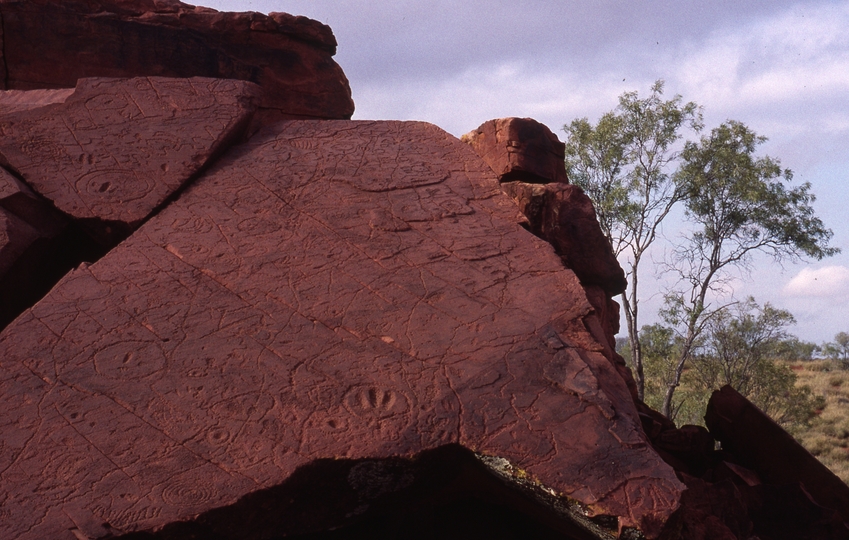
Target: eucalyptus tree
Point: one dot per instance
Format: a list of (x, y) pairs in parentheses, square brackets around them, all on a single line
[(740, 205), (740, 349), (838, 349), (623, 163)]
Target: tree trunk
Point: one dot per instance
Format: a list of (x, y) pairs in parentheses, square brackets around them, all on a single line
[(634, 343), (679, 369)]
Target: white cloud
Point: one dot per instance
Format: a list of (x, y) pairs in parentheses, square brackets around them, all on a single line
[(828, 281), (462, 102), (798, 55)]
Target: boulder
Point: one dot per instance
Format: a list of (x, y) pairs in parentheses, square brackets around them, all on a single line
[(38, 245), (289, 57), (329, 290), (763, 446), (520, 149), (24, 100)]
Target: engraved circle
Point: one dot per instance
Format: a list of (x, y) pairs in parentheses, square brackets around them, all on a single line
[(194, 224), (41, 146), (71, 465), (107, 102), (218, 436), (258, 226), (187, 493), (114, 185), (129, 360)]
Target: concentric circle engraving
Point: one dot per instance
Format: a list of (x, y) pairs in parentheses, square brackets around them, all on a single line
[(187, 492)]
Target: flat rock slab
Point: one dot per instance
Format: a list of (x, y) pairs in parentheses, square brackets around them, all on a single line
[(24, 100), (118, 148), (331, 289)]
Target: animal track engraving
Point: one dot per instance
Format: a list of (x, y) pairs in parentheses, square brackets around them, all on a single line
[(375, 402)]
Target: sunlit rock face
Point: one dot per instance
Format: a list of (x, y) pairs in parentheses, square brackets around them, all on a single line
[(229, 312)]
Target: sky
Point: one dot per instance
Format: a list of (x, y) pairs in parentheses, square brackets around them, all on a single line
[(780, 67)]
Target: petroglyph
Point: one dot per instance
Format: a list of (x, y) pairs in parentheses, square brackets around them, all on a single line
[(380, 300), (84, 157)]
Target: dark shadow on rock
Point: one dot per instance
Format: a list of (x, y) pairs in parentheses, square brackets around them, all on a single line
[(446, 493)]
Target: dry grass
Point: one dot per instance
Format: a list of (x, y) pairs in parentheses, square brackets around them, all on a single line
[(828, 435)]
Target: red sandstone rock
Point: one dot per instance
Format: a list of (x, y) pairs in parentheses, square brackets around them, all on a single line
[(23, 100), (563, 215), (764, 447), (608, 312), (520, 149), (714, 512), (34, 247), (327, 290), (290, 57), (118, 148)]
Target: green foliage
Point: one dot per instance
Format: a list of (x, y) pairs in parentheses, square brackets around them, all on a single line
[(742, 347), (623, 163), (739, 204), (595, 157), (738, 345), (661, 348), (838, 350), (793, 349)]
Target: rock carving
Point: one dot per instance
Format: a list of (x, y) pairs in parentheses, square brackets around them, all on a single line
[(81, 156), (261, 321), (228, 312)]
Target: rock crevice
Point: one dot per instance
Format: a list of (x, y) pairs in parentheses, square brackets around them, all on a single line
[(84, 182)]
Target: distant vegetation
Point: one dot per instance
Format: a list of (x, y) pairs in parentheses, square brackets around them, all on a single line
[(803, 386), (827, 434)]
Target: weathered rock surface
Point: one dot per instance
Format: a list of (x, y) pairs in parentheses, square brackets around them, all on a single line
[(116, 149), (560, 214), (53, 43), (24, 100), (335, 329), (520, 149), (330, 289), (563, 215)]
